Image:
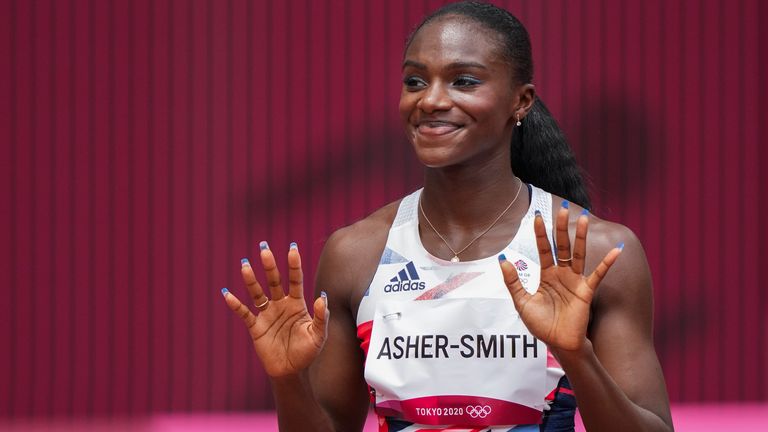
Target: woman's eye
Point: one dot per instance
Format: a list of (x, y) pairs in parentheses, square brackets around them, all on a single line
[(466, 81), (414, 82)]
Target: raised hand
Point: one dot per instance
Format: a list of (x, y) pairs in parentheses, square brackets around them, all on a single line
[(286, 338), (558, 312)]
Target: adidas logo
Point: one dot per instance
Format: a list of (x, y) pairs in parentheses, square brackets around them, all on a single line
[(406, 280)]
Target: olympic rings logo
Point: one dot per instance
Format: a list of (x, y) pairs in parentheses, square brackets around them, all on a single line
[(478, 411)]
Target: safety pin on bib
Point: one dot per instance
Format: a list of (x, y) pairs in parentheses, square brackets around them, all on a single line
[(392, 316)]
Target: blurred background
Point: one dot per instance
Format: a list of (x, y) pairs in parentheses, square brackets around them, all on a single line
[(147, 146)]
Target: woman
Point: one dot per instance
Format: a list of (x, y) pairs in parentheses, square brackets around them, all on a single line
[(423, 285)]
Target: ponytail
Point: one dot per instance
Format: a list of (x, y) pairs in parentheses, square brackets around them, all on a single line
[(542, 157)]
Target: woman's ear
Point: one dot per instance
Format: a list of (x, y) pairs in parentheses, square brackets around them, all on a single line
[(526, 95)]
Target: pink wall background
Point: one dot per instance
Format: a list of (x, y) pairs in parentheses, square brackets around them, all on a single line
[(148, 145)]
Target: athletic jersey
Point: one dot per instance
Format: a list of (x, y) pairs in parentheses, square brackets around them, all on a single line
[(445, 348)]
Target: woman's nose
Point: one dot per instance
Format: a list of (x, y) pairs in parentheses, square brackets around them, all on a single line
[(434, 98)]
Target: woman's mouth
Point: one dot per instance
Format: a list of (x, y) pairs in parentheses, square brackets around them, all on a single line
[(436, 128)]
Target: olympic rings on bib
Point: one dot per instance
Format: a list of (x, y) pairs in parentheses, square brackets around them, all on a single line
[(478, 411)]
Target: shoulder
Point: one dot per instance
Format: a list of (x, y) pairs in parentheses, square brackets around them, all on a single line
[(358, 235), (603, 235), (628, 282), (627, 289), (361, 240), (351, 255), (629, 279)]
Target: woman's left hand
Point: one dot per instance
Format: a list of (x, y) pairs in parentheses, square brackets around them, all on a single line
[(558, 312)]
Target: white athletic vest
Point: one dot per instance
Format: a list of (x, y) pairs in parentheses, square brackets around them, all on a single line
[(444, 344)]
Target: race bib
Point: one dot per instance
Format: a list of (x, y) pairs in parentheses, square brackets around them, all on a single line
[(456, 362)]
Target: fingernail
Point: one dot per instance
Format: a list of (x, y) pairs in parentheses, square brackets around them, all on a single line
[(537, 213), (324, 296), (244, 262), (620, 246), (263, 245), (565, 204), (585, 212), (224, 292), (502, 257), (294, 245)]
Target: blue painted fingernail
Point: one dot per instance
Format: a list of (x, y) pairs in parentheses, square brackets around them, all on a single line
[(244, 262), (585, 212), (620, 246), (224, 292), (537, 213), (323, 294), (263, 245), (565, 204), (294, 245), (502, 257)]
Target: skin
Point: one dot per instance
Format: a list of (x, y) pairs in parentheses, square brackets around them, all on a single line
[(459, 105)]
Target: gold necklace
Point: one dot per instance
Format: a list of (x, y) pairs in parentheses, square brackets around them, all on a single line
[(456, 254)]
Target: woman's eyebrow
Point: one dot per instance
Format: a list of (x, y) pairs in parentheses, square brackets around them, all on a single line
[(465, 65), (454, 65), (414, 64)]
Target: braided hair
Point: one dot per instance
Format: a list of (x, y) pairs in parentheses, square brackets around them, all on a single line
[(540, 153)]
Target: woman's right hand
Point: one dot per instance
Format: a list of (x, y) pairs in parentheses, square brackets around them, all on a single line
[(286, 338)]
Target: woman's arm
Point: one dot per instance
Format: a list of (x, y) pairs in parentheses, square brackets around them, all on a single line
[(331, 395), (616, 375), (349, 260), (315, 364), (285, 337), (598, 326)]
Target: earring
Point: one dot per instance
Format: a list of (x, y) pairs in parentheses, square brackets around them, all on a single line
[(519, 123)]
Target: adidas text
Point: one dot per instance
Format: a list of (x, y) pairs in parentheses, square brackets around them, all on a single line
[(406, 285)]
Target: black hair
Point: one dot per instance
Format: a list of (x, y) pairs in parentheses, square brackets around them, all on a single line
[(540, 153)]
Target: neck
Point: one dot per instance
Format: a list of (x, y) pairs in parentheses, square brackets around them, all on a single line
[(468, 198)]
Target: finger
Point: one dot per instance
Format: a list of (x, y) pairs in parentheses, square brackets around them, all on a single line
[(295, 274), (562, 239), (519, 295), (253, 285), (241, 310), (580, 244), (273, 275), (602, 269), (542, 242), (320, 321)]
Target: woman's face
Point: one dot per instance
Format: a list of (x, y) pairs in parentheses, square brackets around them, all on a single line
[(458, 101)]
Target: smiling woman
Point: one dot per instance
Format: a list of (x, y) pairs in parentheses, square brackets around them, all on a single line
[(458, 101), (452, 307)]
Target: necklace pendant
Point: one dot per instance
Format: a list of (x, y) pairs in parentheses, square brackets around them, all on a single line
[(455, 258)]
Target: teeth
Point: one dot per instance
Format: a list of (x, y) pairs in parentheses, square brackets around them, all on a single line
[(438, 124), (436, 128)]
